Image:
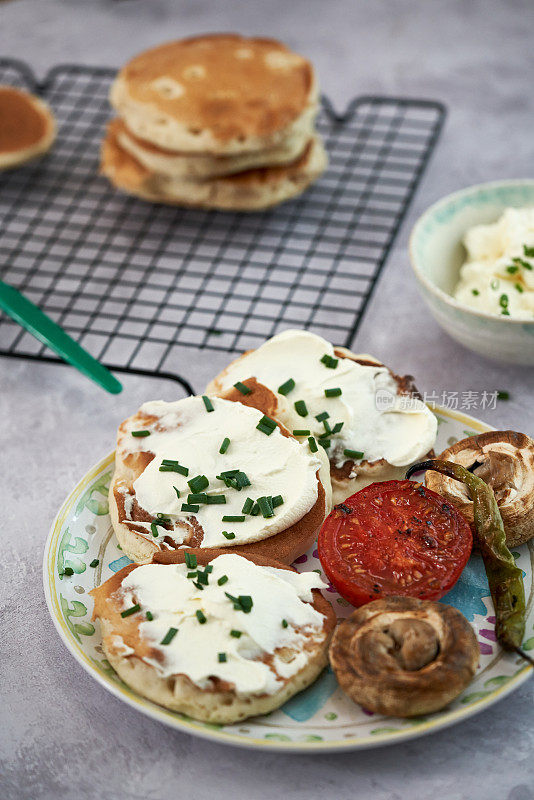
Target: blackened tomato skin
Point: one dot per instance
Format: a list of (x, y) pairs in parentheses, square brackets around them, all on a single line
[(394, 538)]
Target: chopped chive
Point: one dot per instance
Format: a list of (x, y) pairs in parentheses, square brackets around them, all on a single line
[(287, 387), (236, 634), (301, 432), (228, 473), (277, 500), (191, 575), (325, 443), (207, 403), (300, 408), (327, 428), (256, 510), (519, 288), (192, 508), (505, 312), (203, 578), (528, 252), (242, 603), (149, 615), (225, 445), (222, 580), (322, 416), (208, 568), (266, 425), (198, 483), (94, 563), (503, 301), (221, 657), (337, 427), (332, 392), (177, 492), (154, 529), (247, 505), (191, 560), (201, 497), (129, 611), (265, 507), (200, 616), (355, 454), (215, 499), (475, 292), (228, 534), (522, 263), (169, 636), (241, 387), (233, 518), (329, 362), (68, 571), (285, 623), (512, 269), (501, 395), (312, 444), (173, 466), (140, 433), (198, 585)]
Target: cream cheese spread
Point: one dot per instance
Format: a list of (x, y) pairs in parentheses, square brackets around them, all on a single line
[(376, 420), (213, 638), (498, 274), (186, 433)]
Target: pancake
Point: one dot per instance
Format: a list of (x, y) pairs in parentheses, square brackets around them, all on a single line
[(251, 190), (376, 424), (27, 127), (237, 663), (201, 166), (154, 509), (219, 93)]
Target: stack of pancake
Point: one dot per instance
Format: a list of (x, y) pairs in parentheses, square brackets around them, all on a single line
[(216, 121)]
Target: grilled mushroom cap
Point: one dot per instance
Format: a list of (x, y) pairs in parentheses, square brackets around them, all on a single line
[(403, 657), (505, 460)]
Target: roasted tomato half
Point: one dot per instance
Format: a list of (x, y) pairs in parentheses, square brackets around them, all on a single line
[(394, 538)]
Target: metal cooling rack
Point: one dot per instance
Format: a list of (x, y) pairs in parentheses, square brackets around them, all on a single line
[(133, 282)]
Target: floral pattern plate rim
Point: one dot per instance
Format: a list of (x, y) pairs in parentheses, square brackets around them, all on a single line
[(319, 719)]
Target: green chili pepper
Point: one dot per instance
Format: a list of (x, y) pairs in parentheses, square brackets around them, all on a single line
[(505, 579)]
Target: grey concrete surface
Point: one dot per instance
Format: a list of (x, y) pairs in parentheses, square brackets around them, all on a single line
[(61, 735)]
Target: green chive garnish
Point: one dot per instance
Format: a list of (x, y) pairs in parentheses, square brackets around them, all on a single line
[(312, 444), (528, 251), (329, 362), (513, 269), (355, 454), (287, 387), (191, 575), (149, 616), (202, 497), (154, 529), (301, 432), (475, 292), (236, 634), (94, 563), (140, 433), (322, 416), (332, 392), (337, 427), (277, 501), (503, 301), (130, 611), (177, 492), (325, 443), (215, 499), (266, 425), (242, 603), (190, 560), (207, 403), (198, 585), (198, 483), (68, 571), (221, 657), (190, 507), (247, 506), (300, 408), (256, 510), (519, 288), (285, 623), (208, 568), (241, 387), (169, 636), (228, 535), (222, 580), (200, 616), (265, 507), (522, 263), (224, 446), (235, 518), (202, 577), (173, 466)]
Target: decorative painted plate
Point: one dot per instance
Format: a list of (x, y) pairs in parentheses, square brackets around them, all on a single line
[(321, 717)]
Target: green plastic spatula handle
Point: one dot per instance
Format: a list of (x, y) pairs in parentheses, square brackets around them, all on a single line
[(47, 331)]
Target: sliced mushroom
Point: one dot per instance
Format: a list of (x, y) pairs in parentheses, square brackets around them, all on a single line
[(403, 657), (504, 460)]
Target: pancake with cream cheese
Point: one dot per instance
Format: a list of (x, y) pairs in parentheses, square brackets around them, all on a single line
[(214, 635), (371, 421), (173, 487)]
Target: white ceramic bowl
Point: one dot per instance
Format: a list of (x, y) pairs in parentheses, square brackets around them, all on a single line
[(437, 253)]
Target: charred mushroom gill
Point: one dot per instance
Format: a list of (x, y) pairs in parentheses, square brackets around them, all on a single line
[(505, 461), (404, 657)]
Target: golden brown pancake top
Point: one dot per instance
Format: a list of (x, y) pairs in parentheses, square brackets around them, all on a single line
[(22, 124)]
